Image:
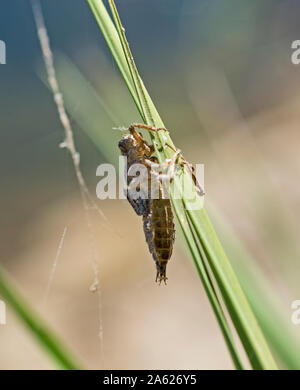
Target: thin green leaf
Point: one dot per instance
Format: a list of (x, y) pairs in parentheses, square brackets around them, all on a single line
[(42, 332), (88, 116), (197, 256), (237, 305), (264, 300), (111, 37)]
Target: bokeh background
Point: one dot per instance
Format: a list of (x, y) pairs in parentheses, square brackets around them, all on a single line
[(220, 74)]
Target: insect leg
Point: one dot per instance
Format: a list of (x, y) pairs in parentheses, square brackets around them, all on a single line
[(139, 136), (191, 169), (146, 127), (170, 164)]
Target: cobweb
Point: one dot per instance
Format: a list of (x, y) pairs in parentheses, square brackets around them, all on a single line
[(69, 144), (53, 268)]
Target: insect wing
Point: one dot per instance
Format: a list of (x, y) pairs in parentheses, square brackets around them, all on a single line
[(137, 189)]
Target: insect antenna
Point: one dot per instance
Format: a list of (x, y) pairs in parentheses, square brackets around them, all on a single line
[(121, 128)]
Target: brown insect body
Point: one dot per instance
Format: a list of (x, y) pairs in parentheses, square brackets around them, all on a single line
[(160, 233), (157, 213)]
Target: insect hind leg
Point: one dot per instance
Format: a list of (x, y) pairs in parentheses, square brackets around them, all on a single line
[(139, 138), (145, 127)]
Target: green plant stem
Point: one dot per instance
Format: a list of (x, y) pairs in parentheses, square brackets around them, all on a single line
[(236, 303), (47, 338), (272, 315), (199, 263)]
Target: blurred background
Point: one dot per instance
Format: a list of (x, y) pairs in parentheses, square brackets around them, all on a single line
[(221, 76)]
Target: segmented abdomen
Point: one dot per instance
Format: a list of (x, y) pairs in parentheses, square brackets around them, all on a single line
[(159, 229)]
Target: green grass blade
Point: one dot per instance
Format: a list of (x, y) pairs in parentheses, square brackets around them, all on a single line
[(271, 314), (111, 37), (46, 337), (237, 305), (93, 117), (236, 302), (89, 116), (138, 84), (197, 256), (147, 109)]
